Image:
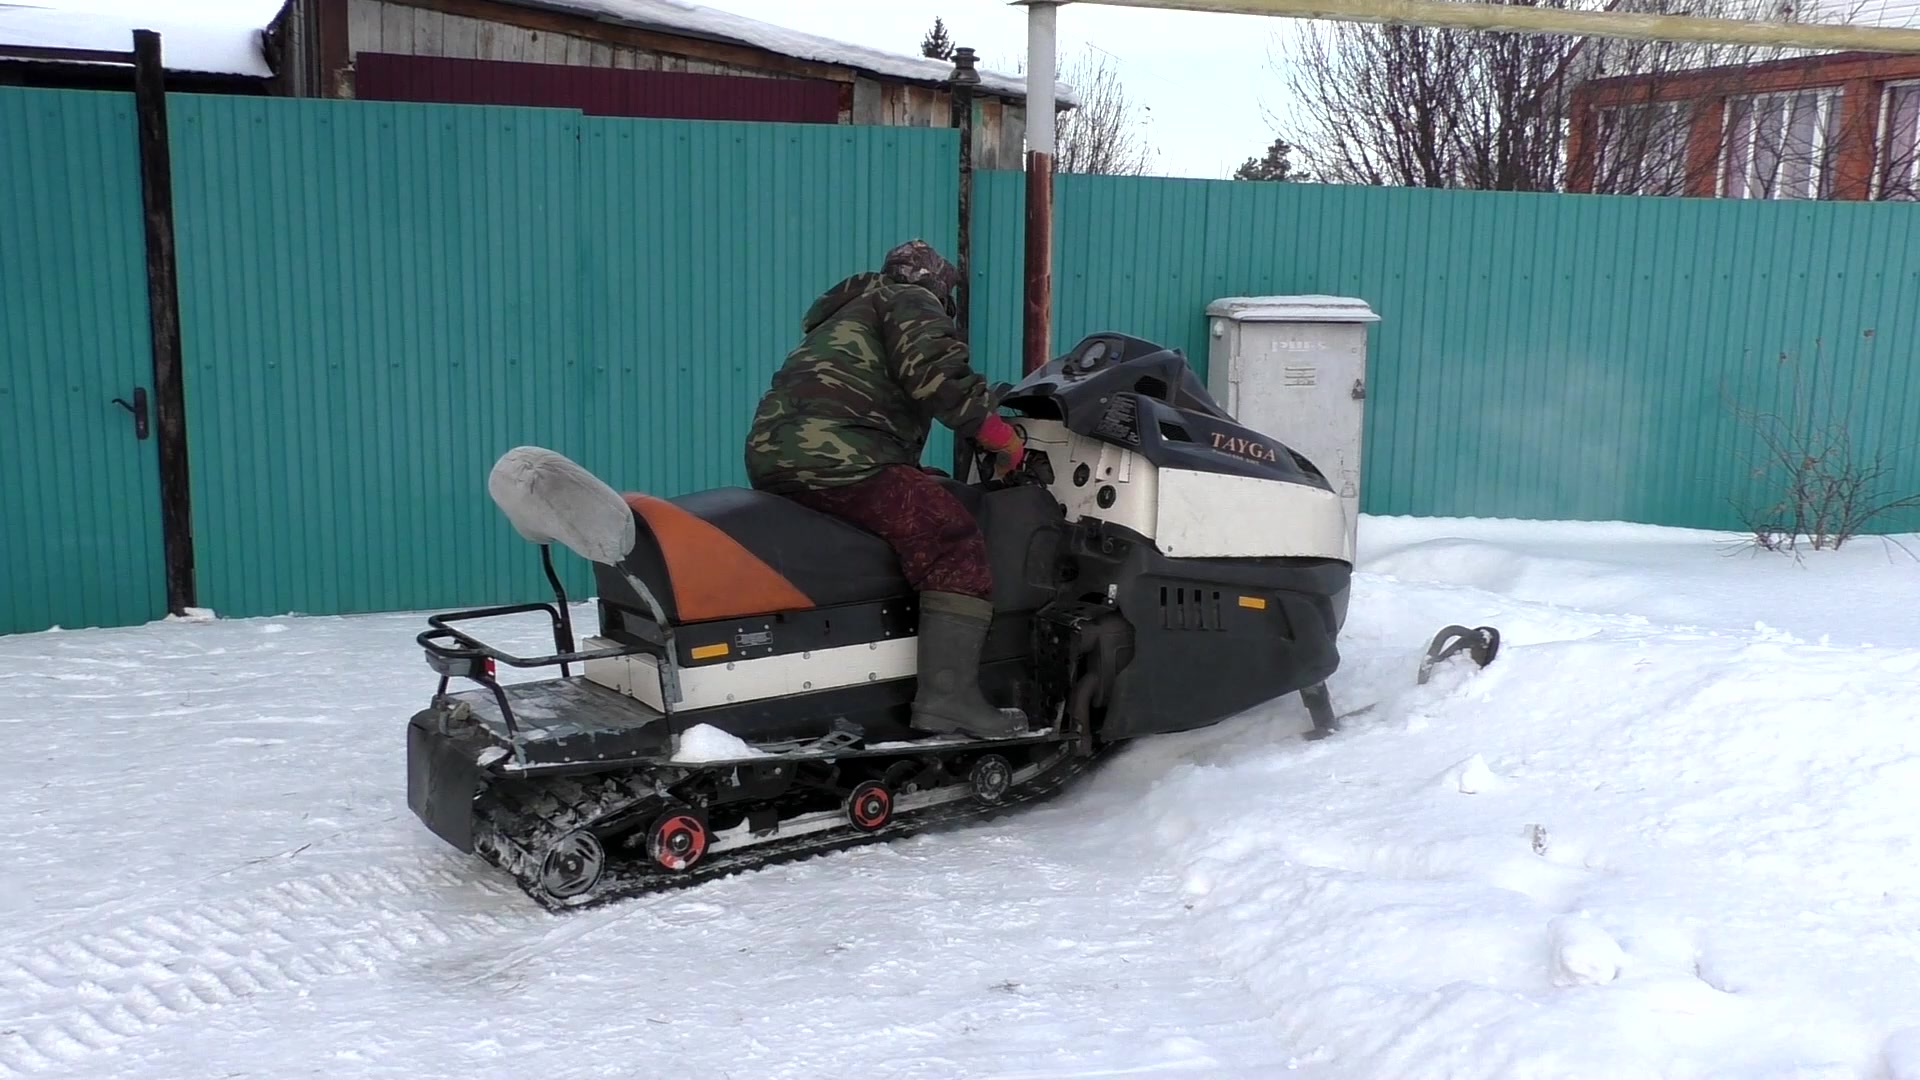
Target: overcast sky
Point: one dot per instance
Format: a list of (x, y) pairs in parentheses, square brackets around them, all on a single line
[(1203, 79)]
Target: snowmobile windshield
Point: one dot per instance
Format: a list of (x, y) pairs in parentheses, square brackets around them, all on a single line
[(1133, 393), (1077, 386)]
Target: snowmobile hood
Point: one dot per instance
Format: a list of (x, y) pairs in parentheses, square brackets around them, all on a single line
[(837, 297)]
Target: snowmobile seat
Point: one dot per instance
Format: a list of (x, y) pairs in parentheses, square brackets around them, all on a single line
[(731, 552)]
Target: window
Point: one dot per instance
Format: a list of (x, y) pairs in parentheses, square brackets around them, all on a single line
[(1642, 149), (1782, 146), (1899, 165)]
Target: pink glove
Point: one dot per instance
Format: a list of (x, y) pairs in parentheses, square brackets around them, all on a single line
[(1001, 438)]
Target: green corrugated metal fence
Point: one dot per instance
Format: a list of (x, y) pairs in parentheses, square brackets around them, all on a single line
[(379, 298), (704, 244), (376, 301), (1539, 356), (385, 297)]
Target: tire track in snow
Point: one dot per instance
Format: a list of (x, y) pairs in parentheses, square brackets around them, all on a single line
[(101, 988)]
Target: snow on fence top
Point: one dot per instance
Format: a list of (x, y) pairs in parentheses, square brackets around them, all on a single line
[(188, 42), (695, 20)]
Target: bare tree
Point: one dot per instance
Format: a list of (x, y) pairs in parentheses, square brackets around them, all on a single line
[(1422, 107), (1106, 132)]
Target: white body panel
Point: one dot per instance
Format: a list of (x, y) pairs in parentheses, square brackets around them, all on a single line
[(708, 685), (1134, 481), (1188, 514), (1211, 516), (1295, 368)]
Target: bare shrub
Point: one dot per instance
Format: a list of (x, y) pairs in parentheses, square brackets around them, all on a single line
[(1816, 484)]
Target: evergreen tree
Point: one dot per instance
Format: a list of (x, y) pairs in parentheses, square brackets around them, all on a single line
[(937, 44), (1277, 165)]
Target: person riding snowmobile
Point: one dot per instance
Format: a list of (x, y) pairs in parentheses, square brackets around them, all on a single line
[(841, 430)]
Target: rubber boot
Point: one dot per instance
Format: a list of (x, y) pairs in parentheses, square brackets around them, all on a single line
[(952, 629)]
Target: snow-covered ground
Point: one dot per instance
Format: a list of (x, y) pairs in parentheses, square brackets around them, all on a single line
[(1674, 831)]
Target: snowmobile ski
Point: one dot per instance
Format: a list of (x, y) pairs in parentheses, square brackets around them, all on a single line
[(1481, 644)]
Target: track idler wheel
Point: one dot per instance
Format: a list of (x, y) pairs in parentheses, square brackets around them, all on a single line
[(573, 865), (870, 806), (1481, 643), (990, 778), (677, 840)]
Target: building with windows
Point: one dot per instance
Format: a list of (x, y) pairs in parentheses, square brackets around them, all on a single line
[(1830, 126)]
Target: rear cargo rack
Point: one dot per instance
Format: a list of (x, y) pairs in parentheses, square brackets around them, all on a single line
[(455, 653)]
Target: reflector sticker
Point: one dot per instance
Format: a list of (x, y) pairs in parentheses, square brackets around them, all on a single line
[(1257, 603), (708, 652)]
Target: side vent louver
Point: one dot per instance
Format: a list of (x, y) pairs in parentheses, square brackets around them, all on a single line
[(1190, 609)]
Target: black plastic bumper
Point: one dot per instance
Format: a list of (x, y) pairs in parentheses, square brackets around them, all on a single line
[(442, 778)]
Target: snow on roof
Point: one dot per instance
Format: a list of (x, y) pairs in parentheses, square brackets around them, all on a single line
[(695, 20), (222, 46)]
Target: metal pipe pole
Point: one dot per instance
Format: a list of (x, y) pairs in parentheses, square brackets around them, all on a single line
[(1539, 19), (960, 90), (1037, 326)]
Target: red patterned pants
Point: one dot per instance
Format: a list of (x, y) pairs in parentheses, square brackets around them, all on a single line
[(938, 543)]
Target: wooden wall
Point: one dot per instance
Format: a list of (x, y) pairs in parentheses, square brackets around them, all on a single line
[(486, 30), (378, 26), (999, 129)]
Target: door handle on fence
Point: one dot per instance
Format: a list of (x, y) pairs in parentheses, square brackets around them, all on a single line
[(138, 409)]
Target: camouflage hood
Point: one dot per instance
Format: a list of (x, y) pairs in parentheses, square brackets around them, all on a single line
[(880, 360), (838, 297)]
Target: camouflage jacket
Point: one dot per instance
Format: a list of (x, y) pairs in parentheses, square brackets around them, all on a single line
[(880, 362)]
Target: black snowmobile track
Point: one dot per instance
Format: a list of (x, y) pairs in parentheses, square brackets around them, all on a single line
[(516, 824)]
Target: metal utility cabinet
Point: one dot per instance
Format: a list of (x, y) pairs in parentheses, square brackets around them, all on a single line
[(1295, 367)]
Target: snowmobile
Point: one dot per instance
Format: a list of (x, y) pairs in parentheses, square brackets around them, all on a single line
[(1157, 568)]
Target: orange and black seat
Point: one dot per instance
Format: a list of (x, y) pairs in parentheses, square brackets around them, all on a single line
[(733, 551)]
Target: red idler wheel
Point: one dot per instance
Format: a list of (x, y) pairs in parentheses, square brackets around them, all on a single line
[(870, 806), (677, 840)]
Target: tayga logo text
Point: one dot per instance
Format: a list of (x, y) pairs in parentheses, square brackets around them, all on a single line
[(1246, 448)]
